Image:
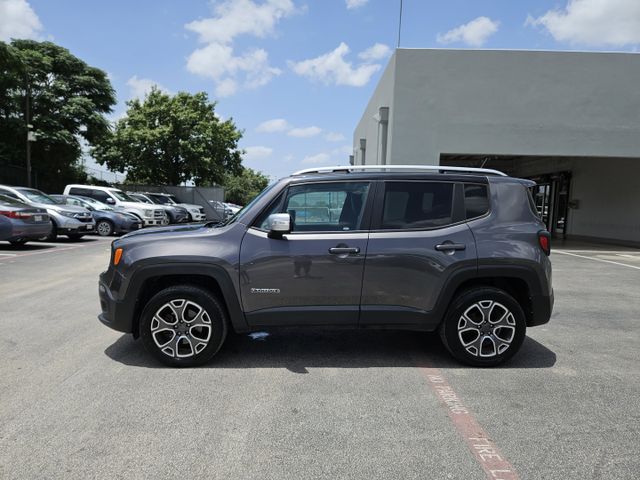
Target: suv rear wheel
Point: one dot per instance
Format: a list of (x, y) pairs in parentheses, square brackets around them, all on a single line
[(183, 326), (484, 327)]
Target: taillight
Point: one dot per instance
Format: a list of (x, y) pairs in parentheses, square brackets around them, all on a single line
[(544, 239), (14, 214)]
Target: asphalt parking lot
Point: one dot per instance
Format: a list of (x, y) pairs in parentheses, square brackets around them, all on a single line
[(78, 400)]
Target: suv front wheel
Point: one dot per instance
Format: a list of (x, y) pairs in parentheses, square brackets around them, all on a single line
[(183, 326), (484, 327)]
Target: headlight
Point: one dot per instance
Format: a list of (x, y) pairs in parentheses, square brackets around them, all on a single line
[(148, 213), (67, 213), (194, 210)]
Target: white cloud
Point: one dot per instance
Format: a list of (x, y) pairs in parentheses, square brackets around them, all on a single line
[(319, 159), (273, 126), (352, 4), (218, 60), (337, 156), (475, 33), (378, 51), (332, 68), (140, 87), (18, 20), (343, 151), (593, 22), (304, 132), (334, 137), (226, 87), (257, 152)]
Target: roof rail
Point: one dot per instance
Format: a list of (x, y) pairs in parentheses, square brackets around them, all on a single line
[(391, 168)]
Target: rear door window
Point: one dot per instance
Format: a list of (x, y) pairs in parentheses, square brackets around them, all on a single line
[(417, 205)]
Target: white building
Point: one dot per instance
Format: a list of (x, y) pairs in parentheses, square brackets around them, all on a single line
[(569, 120)]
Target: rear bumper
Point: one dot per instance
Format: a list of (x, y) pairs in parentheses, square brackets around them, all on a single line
[(541, 309), (26, 231)]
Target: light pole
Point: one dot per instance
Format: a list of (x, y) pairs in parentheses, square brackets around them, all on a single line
[(31, 137)]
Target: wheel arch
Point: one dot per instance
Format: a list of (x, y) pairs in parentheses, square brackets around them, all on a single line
[(519, 281), (150, 280)]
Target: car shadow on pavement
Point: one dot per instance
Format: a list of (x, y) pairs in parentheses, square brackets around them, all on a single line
[(28, 247), (299, 349), (72, 241)]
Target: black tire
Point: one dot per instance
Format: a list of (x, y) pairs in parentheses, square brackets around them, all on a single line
[(491, 336), (18, 243), (74, 237), (159, 303), (104, 228)]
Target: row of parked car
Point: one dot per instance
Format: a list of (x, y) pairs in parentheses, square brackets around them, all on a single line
[(29, 214)]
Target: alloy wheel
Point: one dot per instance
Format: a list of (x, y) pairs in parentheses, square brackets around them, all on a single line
[(181, 328), (486, 329), (104, 229)]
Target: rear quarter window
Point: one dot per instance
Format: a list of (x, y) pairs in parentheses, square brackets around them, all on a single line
[(476, 200)]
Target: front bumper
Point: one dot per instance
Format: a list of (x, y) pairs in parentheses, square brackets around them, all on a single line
[(114, 313), (150, 222), (197, 217), (127, 226), (75, 226), (181, 217)]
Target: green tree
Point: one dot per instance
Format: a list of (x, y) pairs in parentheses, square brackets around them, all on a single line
[(68, 103), (170, 139), (241, 189)]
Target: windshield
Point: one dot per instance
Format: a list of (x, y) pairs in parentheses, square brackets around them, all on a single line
[(123, 197), (160, 199), (95, 203), (11, 202), (240, 213), (173, 198), (141, 198), (37, 196)]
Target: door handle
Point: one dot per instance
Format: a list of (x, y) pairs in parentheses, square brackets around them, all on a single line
[(343, 250), (444, 247)]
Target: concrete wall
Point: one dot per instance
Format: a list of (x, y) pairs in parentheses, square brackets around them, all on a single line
[(368, 127), (507, 102), (609, 201), (516, 102)]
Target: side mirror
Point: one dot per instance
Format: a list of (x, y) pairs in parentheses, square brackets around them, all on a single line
[(110, 201), (279, 224)]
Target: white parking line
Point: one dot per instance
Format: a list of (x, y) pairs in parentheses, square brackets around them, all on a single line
[(597, 259), (8, 254), (52, 250)]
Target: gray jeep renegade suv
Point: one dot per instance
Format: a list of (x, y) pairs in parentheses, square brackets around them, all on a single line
[(457, 250)]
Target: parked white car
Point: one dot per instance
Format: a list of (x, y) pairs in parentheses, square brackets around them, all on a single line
[(149, 214)]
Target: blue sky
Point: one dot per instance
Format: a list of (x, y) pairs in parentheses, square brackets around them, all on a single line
[(295, 75)]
